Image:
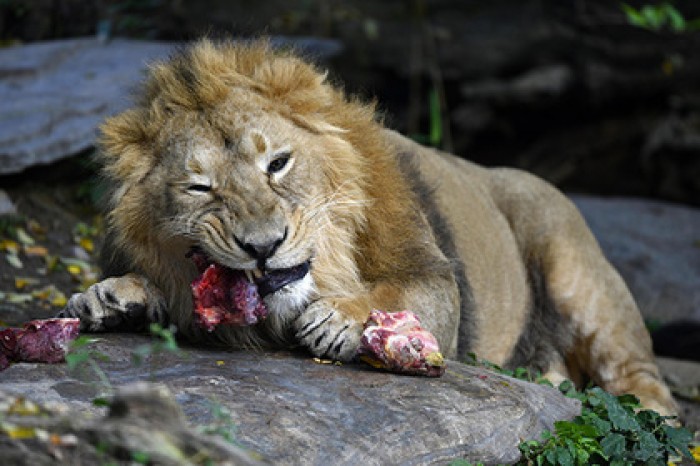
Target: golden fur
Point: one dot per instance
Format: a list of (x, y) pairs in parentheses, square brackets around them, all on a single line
[(494, 261)]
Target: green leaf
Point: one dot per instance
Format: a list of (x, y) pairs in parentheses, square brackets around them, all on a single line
[(435, 118), (613, 445), (678, 438), (564, 458), (634, 17), (653, 17), (74, 360), (101, 402), (675, 18), (140, 457), (647, 446)]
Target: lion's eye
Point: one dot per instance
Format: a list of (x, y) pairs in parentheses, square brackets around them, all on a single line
[(279, 163), (199, 188)]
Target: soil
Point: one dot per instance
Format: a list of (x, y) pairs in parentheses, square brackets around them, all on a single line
[(52, 203)]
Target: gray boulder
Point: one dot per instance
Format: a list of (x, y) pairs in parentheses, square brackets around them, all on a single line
[(55, 94), (656, 248), (293, 410)]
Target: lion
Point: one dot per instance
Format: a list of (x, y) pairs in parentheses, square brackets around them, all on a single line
[(251, 156)]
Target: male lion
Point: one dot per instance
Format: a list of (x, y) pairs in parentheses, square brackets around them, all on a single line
[(250, 157)]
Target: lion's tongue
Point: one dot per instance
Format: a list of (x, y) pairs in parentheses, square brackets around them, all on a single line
[(225, 296)]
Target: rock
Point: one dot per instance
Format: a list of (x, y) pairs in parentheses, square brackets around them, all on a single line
[(55, 94), (144, 422), (293, 410), (7, 207), (656, 248)]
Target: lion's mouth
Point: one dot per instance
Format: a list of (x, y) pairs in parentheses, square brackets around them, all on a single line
[(266, 282)]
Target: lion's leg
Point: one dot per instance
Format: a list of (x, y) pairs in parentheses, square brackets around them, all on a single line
[(611, 343), (332, 327), (128, 302)]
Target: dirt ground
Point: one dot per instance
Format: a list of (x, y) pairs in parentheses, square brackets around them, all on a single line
[(49, 246)]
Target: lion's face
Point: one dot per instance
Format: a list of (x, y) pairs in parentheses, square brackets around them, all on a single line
[(248, 189), (250, 157)]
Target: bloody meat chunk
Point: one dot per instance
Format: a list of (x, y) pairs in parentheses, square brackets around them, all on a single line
[(38, 341), (225, 296), (397, 342)]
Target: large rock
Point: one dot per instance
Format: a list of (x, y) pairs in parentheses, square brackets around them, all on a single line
[(656, 248), (293, 410), (55, 94)]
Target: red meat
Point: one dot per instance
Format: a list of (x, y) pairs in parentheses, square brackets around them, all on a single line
[(397, 342), (38, 341), (225, 296)]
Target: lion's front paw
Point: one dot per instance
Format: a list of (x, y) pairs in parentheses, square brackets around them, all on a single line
[(328, 332), (120, 303)]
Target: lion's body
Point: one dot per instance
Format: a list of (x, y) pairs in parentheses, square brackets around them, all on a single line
[(238, 150)]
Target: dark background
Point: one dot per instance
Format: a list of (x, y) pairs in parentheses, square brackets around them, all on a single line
[(569, 90)]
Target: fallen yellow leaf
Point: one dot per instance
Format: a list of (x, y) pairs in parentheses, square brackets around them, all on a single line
[(87, 244), (22, 282), (40, 251), (36, 228), (9, 246), (695, 451), (59, 300), (23, 407), (74, 270), (19, 432)]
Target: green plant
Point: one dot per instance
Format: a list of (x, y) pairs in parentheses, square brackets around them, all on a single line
[(661, 16), (610, 430), (81, 358), (163, 342), (521, 373)]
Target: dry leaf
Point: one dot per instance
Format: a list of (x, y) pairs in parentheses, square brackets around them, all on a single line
[(24, 237), (59, 299), (87, 244), (23, 407), (36, 228), (9, 246), (40, 251), (14, 260), (18, 298), (18, 432), (22, 282)]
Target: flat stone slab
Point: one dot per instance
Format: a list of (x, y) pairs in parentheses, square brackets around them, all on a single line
[(55, 94), (294, 410), (656, 248)]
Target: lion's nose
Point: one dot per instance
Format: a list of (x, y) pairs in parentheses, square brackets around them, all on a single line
[(261, 250)]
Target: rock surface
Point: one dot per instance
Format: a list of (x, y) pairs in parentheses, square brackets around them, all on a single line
[(55, 94), (144, 425), (656, 248), (293, 410)]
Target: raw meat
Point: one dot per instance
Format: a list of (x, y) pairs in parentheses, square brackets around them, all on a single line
[(225, 296), (38, 341), (397, 342)]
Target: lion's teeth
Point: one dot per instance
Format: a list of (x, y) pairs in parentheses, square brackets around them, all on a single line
[(257, 273), (249, 275)]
